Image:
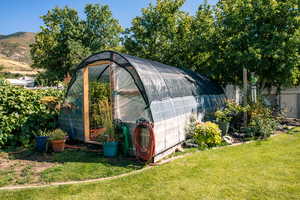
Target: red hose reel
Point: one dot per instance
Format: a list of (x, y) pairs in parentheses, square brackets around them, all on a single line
[(144, 152)]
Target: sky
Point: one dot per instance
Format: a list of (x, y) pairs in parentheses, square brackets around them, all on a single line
[(24, 15)]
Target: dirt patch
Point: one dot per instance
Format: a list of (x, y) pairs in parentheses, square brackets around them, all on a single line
[(23, 167)]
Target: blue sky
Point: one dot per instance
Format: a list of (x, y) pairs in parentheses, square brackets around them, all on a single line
[(24, 15)]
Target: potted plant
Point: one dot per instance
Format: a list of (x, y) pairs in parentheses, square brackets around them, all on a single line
[(223, 119), (108, 139), (224, 116), (58, 138), (41, 140)]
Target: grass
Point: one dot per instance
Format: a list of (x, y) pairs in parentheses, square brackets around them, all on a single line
[(267, 169), (31, 167), (294, 130), (79, 165)]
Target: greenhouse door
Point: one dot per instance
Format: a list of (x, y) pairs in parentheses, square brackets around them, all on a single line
[(105, 83), (97, 99)]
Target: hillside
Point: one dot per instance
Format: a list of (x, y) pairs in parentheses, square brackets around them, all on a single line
[(15, 52), (16, 67), (16, 46)]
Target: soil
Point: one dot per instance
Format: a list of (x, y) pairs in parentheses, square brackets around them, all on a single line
[(24, 164)]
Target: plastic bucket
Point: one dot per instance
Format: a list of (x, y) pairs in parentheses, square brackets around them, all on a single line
[(110, 149), (41, 143)]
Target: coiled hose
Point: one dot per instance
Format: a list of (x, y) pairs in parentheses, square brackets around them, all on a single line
[(144, 153)]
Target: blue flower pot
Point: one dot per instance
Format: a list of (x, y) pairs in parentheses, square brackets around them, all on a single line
[(110, 149), (41, 143)]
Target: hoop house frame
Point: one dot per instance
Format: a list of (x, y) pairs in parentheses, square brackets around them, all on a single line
[(166, 96)]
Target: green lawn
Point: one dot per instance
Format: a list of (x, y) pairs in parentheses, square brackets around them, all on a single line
[(260, 170), (31, 167)]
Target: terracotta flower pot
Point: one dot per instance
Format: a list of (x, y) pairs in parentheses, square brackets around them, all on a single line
[(58, 145), (94, 133)]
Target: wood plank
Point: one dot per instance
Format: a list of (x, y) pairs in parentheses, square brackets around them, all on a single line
[(129, 92), (102, 62), (112, 87), (93, 142), (86, 116)]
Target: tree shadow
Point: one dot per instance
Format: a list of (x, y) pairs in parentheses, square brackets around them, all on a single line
[(76, 155)]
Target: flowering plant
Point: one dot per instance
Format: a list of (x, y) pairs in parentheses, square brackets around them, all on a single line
[(207, 134)]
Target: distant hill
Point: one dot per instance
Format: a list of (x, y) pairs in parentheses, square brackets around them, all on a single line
[(15, 51), (16, 46)]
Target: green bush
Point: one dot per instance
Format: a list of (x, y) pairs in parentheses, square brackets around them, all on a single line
[(57, 134), (22, 114), (207, 135), (231, 110), (262, 124)]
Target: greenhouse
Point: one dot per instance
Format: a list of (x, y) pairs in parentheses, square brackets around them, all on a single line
[(137, 93)]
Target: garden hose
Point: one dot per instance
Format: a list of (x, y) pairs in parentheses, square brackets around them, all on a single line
[(144, 153), (126, 139)]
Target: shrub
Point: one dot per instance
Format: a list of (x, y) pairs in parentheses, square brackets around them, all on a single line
[(231, 110), (262, 124), (207, 135), (57, 134), (41, 133), (190, 127), (22, 113)]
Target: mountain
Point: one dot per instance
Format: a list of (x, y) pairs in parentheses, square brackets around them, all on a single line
[(15, 51), (16, 46)]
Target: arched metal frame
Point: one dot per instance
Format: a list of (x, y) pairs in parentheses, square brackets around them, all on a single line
[(170, 93), (88, 62)]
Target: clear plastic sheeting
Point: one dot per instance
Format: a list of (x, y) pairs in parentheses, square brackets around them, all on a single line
[(129, 104), (71, 116), (164, 95)]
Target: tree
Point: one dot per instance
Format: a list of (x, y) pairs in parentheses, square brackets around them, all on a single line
[(201, 38), (260, 35), (65, 39), (161, 33)]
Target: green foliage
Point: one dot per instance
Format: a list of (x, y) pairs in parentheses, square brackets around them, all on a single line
[(161, 33), (47, 78), (57, 134), (294, 130), (65, 39), (231, 110), (110, 132), (207, 134), (10, 75), (190, 128), (98, 92), (22, 114), (260, 35), (41, 133), (262, 124)]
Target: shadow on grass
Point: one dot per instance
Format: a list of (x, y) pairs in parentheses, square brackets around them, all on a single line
[(73, 155)]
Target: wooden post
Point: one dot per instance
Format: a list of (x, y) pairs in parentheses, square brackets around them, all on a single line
[(86, 114), (112, 87), (245, 88)]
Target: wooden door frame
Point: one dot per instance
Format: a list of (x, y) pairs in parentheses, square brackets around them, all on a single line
[(85, 85)]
